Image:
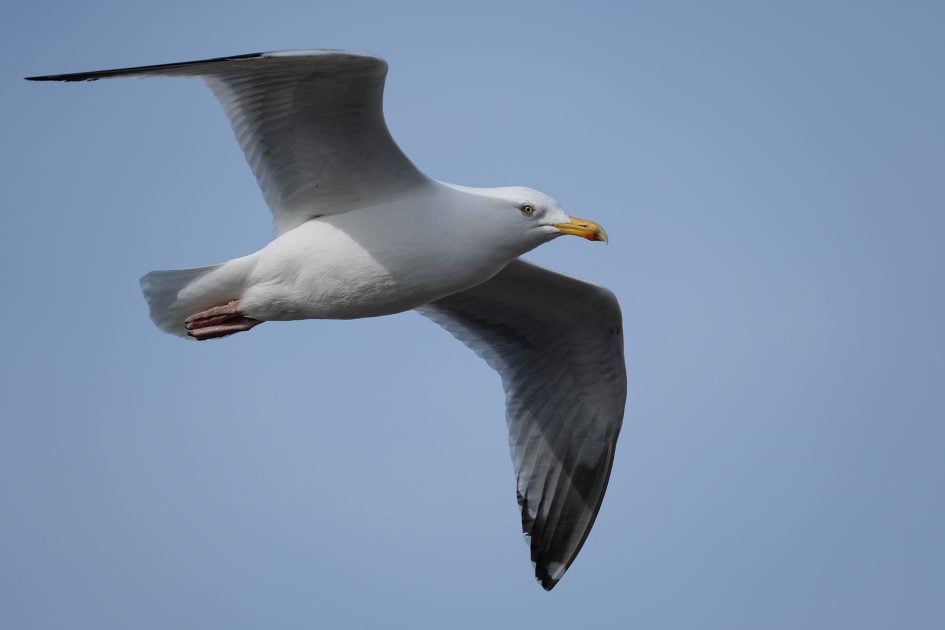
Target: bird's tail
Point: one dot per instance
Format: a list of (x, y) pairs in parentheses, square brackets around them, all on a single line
[(175, 295)]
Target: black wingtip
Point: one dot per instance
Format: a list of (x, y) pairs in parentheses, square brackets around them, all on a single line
[(117, 72), (547, 582), (544, 576), (54, 77)]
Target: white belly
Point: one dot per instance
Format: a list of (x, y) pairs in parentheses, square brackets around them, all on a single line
[(330, 268)]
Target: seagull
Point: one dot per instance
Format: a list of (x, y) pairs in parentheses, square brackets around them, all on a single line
[(361, 232)]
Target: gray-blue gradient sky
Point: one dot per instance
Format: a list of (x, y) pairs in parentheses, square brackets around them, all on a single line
[(772, 181)]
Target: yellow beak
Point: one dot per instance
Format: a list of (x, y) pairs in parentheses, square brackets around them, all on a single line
[(582, 227)]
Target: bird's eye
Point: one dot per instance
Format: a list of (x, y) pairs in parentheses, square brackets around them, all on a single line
[(527, 209)]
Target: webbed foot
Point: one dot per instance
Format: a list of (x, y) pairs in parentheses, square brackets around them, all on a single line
[(219, 321)]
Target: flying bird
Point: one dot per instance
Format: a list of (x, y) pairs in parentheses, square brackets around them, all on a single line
[(361, 232)]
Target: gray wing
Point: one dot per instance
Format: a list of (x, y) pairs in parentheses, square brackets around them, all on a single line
[(557, 343), (311, 124)]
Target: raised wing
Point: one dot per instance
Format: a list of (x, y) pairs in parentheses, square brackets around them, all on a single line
[(311, 124), (557, 343)]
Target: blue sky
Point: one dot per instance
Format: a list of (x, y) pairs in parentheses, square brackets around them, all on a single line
[(770, 175)]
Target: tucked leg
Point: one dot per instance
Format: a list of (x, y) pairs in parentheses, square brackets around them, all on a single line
[(219, 321)]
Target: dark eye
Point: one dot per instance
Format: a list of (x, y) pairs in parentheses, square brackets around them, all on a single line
[(527, 209)]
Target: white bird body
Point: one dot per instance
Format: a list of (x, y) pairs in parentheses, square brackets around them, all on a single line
[(361, 232), (377, 260), (369, 262)]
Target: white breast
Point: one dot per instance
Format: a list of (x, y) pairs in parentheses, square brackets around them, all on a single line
[(366, 263)]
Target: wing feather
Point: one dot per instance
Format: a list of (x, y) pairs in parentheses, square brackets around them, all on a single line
[(557, 343), (311, 125)]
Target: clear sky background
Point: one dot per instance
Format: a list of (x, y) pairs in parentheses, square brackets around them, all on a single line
[(771, 175)]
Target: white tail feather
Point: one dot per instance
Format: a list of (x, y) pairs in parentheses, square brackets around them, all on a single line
[(175, 295)]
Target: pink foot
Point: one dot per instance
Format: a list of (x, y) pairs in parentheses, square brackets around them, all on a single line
[(219, 321)]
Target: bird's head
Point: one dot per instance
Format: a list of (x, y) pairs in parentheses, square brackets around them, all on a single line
[(530, 218)]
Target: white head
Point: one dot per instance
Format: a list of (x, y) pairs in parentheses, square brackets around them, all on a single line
[(524, 218)]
